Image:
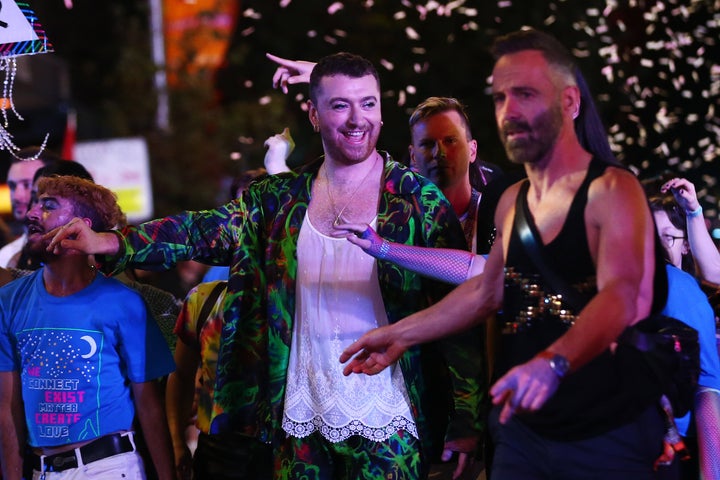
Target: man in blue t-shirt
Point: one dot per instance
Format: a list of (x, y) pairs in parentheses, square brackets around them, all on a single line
[(78, 353)]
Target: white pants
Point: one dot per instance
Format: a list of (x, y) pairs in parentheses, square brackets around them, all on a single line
[(125, 466)]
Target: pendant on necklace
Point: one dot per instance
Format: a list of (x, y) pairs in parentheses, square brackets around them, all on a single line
[(338, 218)]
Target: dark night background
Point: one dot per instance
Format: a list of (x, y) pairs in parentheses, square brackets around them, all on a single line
[(653, 67)]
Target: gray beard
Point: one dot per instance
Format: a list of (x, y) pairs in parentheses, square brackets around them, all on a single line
[(544, 131)]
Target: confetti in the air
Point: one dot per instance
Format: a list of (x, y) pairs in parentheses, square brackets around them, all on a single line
[(653, 66)]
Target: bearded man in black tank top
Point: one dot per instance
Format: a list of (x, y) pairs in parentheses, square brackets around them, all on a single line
[(561, 410)]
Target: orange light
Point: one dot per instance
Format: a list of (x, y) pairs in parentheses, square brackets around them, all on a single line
[(5, 206), (197, 34)]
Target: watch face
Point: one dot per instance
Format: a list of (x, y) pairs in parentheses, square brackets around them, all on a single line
[(560, 365)]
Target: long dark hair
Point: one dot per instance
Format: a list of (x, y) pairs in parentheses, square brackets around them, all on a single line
[(589, 128)]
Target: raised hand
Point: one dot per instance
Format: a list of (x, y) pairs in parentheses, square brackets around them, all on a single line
[(684, 193), (76, 235), (279, 146), (290, 72)]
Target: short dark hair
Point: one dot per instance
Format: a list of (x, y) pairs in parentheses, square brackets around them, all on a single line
[(668, 204), (63, 168), (552, 50), (434, 105), (342, 63)]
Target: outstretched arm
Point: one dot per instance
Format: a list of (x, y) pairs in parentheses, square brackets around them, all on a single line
[(705, 253), (205, 236), (290, 72), (444, 264), (467, 305)]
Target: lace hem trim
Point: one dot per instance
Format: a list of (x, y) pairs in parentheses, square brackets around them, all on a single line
[(355, 427)]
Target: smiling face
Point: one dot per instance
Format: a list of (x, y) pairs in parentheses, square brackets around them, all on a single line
[(347, 112), (442, 149), (529, 101)]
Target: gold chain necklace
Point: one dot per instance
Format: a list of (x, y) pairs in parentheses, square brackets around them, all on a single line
[(338, 217)]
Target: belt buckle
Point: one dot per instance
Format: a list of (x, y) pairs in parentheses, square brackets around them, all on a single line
[(59, 461)]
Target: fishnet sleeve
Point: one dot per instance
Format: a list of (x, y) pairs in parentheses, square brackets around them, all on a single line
[(447, 265), (707, 421)]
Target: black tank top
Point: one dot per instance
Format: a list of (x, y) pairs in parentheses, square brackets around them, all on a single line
[(595, 398)]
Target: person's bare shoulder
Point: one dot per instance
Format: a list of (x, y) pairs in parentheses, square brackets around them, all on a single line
[(616, 191), (5, 276), (617, 180)]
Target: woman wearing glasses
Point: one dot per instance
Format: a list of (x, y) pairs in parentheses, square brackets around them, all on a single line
[(688, 303)]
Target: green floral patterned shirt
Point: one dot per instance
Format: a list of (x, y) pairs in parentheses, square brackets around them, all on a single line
[(257, 236)]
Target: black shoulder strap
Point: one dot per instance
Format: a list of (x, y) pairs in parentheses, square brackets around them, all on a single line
[(207, 307), (559, 285), (531, 244)]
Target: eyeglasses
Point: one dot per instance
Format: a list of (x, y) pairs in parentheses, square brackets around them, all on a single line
[(669, 240)]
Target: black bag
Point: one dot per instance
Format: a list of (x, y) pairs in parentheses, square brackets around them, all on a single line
[(672, 352), (669, 347)]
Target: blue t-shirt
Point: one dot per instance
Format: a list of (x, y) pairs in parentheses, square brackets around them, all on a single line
[(77, 356), (687, 302)]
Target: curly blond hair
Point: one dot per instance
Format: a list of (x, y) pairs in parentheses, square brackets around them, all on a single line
[(89, 199)]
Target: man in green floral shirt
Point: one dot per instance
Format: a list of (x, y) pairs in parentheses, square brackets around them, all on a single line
[(298, 295)]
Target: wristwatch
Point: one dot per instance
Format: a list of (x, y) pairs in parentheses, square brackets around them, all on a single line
[(558, 363)]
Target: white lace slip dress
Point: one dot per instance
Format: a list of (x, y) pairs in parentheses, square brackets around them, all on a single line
[(338, 299)]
